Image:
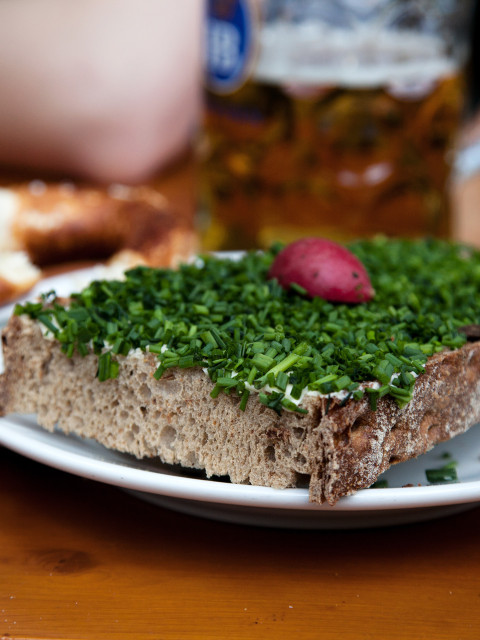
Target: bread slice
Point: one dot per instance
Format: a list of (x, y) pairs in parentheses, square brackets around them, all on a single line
[(335, 449)]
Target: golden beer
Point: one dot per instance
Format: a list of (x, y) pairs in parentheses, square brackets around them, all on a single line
[(345, 157)]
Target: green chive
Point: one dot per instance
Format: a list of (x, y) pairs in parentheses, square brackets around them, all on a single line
[(443, 475)]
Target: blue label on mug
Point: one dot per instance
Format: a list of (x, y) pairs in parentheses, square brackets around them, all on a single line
[(229, 44)]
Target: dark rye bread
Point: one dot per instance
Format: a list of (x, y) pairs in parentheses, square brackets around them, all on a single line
[(337, 450)]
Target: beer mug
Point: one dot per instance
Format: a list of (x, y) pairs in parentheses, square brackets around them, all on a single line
[(330, 117)]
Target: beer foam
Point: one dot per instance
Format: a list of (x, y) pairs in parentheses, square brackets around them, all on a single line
[(317, 54)]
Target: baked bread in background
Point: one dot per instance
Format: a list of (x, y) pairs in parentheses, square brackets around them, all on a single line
[(50, 223), (17, 275)]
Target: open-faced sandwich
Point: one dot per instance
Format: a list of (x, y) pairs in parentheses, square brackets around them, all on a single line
[(309, 365)]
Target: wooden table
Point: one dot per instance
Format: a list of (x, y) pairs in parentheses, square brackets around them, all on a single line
[(81, 560)]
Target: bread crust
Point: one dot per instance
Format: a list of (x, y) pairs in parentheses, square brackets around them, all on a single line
[(335, 449)]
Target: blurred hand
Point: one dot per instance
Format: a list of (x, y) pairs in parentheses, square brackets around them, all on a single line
[(108, 90)]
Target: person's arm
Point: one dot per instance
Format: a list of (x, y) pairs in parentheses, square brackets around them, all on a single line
[(105, 89)]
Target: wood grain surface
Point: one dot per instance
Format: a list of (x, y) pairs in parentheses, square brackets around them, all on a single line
[(81, 560)]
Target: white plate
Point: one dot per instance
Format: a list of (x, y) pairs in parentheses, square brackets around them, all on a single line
[(191, 493), (187, 492)]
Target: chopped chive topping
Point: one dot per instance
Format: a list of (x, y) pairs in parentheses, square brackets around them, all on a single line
[(107, 368), (380, 484), (249, 333), (443, 475)]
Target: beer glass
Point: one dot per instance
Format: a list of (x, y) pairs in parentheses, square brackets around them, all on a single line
[(330, 117)]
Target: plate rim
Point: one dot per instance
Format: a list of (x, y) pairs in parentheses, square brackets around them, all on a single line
[(23, 435)]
